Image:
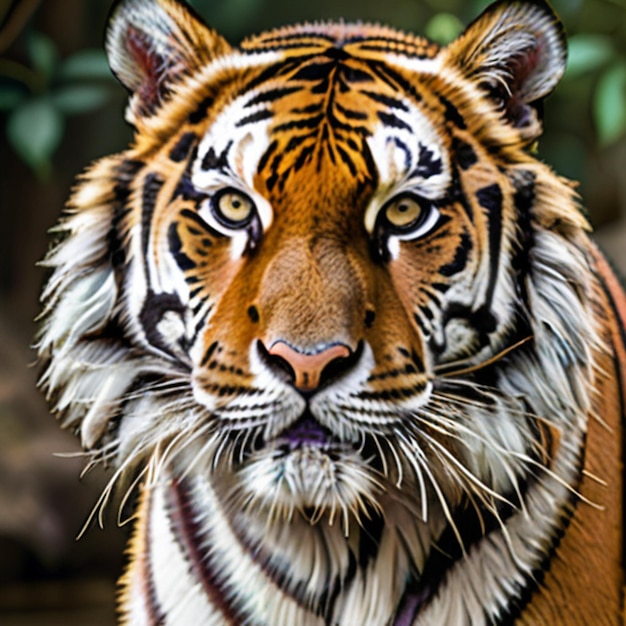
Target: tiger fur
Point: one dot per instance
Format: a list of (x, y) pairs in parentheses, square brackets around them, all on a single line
[(345, 333)]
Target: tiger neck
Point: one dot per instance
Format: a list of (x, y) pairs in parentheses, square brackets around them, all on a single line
[(231, 568)]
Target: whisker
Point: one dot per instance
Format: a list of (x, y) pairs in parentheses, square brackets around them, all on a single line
[(407, 446), (444, 369), (483, 488), (397, 460)]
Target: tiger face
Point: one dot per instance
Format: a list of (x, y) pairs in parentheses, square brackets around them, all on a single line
[(328, 292)]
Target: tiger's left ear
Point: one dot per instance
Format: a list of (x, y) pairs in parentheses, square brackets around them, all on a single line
[(153, 44), (516, 51)]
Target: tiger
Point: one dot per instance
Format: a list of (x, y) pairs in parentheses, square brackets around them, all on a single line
[(344, 340)]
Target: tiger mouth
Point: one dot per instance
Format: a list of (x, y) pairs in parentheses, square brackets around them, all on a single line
[(305, 431)]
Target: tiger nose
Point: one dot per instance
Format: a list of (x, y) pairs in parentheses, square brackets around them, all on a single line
[(307, 367)]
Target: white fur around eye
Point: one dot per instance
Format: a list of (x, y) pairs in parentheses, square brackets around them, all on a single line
[(423, 229)]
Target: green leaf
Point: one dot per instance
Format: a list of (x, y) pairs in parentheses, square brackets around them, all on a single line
[(35, 131), (43, 54), (90, 64), (609, 104), (73, 99), (10, 96), (443, 28), (587, 53)]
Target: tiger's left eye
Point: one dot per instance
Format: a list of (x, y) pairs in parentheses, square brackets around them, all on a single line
[(407, 216), (233, 208), (403, 212)]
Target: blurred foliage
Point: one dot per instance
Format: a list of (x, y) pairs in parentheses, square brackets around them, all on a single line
[(39, 89), (39, 94)]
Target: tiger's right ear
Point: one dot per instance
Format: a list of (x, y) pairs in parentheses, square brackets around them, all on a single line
[(516, 53), (152, 44)]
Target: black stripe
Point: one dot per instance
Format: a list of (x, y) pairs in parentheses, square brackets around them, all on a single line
[(310, 123), (201, 323), (396, 393), (152, 185), (307, 38), (388, 101), (426, 313), (370, 164), (384, 47), (124, 174), (350, 114), (266, 155), (465, 155), (354, 75), (392, 121), (271, 72), (257, 116), (182, 148), (271, 95), (304, 157), (395, 80), (209, 353), (490, 199), (452, 114), (183, 523), (195, 291), (370, 537), (324, 607), (176, 248), (153, 606), (155, 306), (427, 166), (461, 254), (201, 110), (345, 157), (314, 72), (408, 155), (214, 161)]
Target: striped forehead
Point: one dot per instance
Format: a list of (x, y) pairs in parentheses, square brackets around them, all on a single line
[(360, 113), (233, 146)]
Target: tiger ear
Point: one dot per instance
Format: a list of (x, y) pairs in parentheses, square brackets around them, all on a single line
[(516, 51), (152, 44)]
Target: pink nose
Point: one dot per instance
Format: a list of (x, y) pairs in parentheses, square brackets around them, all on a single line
[(308, 368)]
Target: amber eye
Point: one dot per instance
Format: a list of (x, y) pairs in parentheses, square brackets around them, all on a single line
[(406, 217), (403, 212), (232, 208)]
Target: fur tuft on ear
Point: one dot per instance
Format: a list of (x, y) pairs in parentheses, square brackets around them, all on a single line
[(152, 44), (516, 51)]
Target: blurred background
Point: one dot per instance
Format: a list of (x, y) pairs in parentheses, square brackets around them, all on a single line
[(60, 109)]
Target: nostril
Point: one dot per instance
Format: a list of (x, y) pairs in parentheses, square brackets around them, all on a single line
[(276, 363), (339, 366)]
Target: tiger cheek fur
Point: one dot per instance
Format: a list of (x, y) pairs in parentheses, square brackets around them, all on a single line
[(348, 335)]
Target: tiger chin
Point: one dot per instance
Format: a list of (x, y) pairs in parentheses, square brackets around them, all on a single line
[(343, 331)]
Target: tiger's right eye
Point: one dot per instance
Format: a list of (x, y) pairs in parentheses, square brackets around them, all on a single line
[(232, 208)]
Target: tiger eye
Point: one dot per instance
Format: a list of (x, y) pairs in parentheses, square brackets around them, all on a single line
[(403, 211), (233, 208)]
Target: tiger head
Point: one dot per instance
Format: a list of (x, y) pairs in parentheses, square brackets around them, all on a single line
[(329, 279)]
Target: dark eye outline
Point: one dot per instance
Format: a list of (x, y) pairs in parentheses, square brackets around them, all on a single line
[(425, 223), (225, 221)]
